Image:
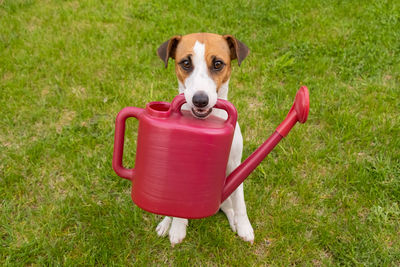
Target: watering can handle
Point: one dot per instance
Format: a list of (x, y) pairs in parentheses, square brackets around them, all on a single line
[(119, 141), (179, 100)]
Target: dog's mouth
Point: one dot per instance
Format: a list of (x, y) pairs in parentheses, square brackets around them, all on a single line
[(201, 113)]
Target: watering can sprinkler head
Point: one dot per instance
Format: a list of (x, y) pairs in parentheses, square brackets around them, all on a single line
[(302, 104), (298, 112)]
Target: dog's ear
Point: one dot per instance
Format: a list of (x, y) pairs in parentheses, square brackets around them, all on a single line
[(167, 49), (238, 49)]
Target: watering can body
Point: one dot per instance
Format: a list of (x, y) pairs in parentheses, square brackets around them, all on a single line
[(181, 161), (180, 167)]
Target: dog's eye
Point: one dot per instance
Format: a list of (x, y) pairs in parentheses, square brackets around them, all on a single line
[(186, 64), (218, 65)]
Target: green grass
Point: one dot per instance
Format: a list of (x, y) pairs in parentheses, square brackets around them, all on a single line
[(327, 195)]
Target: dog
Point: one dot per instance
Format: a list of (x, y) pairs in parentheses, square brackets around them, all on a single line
[(203, 70)]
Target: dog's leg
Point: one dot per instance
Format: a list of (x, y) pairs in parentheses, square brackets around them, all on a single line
[(241, 221), (243, 226), (178, 230), (163, 226), (227, 208)]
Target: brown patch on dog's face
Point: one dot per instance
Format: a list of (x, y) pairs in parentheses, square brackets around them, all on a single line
[(217, 56), (219, 51)]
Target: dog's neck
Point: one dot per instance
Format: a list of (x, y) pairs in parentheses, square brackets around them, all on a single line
[(222, 92)]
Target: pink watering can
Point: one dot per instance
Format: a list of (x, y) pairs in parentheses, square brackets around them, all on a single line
[(181, 161)]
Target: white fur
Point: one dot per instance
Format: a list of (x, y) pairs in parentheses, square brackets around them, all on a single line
[(163, 226), (234, 207), (199, 80)]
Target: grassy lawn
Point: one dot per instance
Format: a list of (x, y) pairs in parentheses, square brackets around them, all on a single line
[(327, 195)]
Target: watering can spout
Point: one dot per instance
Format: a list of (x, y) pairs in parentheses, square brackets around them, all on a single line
[(298, 113)]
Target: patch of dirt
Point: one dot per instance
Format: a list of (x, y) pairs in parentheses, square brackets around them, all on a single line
[(8, 76), (79, 92), (66, 117)]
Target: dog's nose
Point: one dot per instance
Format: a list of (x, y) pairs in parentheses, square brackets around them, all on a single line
[(200, 99)]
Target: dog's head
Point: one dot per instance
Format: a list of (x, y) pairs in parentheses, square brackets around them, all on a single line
[(202, 66)]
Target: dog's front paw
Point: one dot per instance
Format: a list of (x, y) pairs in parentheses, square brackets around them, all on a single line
[(163, 226), (178, 231), (244, 229)]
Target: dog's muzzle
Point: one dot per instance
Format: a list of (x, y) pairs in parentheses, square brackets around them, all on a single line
[(200, 102), (201, 113)]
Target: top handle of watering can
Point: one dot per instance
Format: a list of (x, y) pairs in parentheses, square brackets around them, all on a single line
[(119, 141), (179, 100)]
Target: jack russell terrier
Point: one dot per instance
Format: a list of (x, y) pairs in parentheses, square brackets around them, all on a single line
[(203, 69)]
